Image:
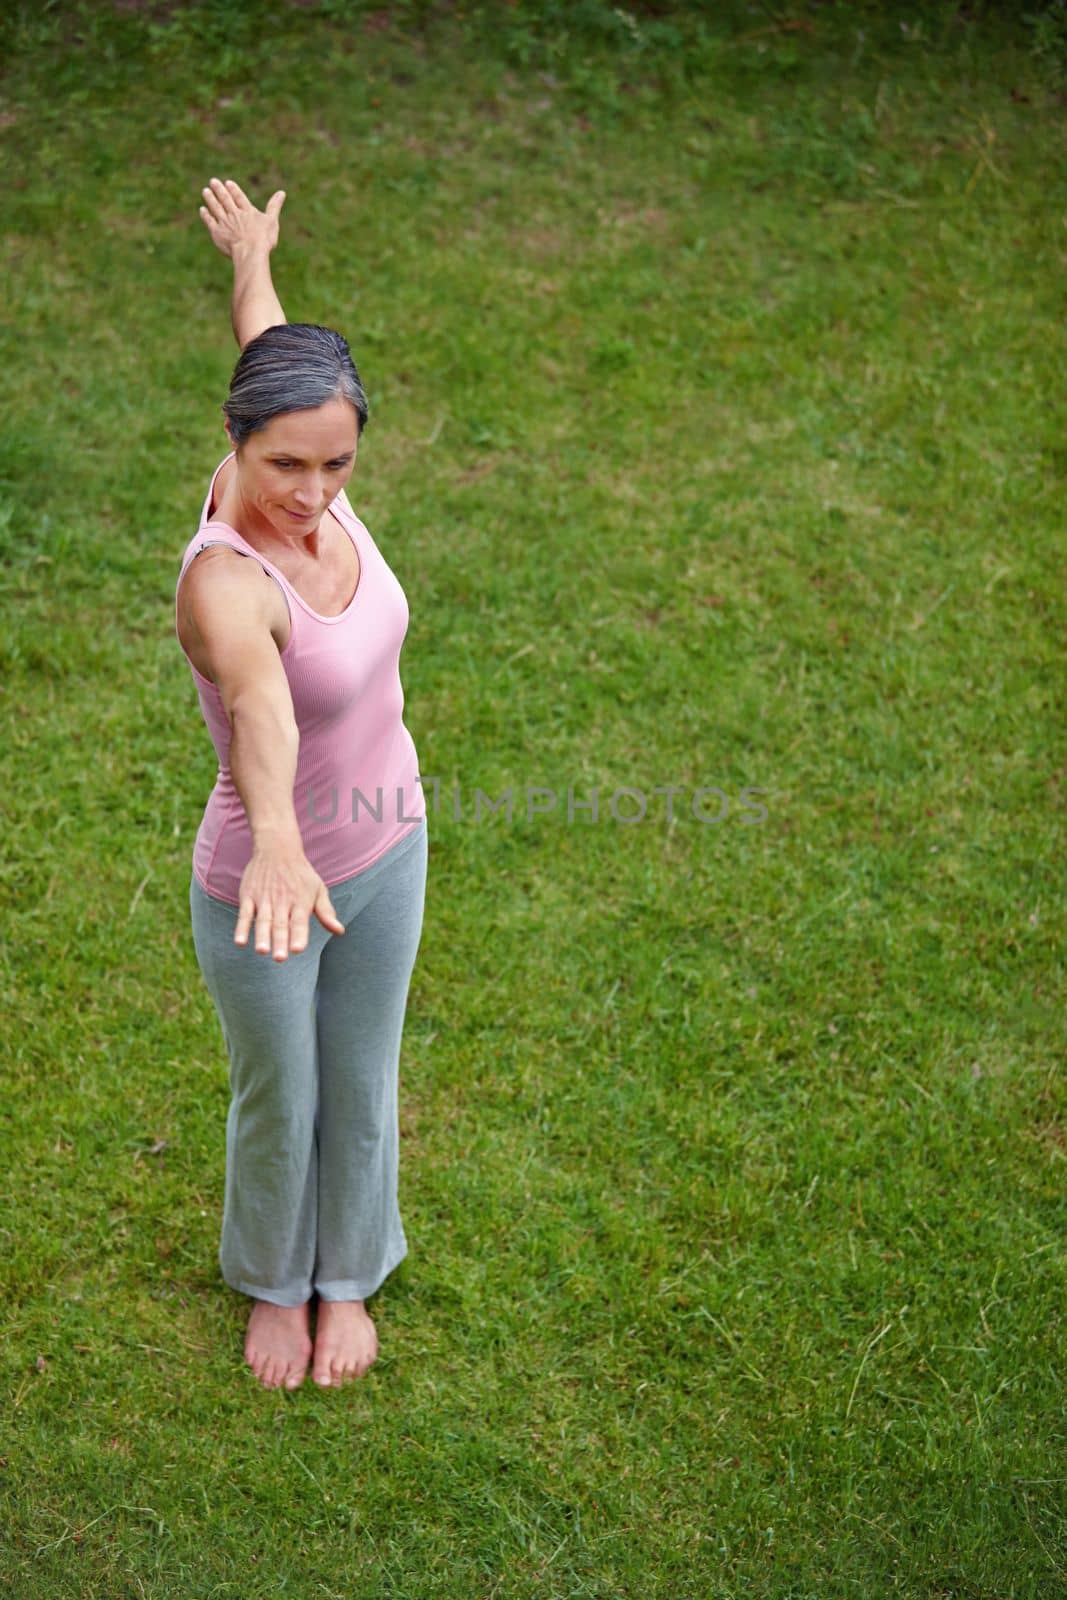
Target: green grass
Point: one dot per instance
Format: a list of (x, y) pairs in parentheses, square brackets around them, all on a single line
[(715, 365)]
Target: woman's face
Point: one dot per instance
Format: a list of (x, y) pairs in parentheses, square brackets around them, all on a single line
[(289, 471)]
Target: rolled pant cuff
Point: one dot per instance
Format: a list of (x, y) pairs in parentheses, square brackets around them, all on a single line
[(276, 1297), (352, 1289)]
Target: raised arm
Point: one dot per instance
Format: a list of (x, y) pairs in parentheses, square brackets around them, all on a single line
[(247, 236)]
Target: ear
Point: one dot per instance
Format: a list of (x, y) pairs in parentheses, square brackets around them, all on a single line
[(226, 425)]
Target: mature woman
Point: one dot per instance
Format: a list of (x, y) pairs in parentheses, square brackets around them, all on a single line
[(314, 834)]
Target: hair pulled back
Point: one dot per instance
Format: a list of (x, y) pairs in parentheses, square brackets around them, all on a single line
[(295, 366)]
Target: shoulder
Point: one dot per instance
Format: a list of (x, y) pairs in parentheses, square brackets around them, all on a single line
[(226, 599), (345, 503), (218, 578), (208, 553), (223, 473)]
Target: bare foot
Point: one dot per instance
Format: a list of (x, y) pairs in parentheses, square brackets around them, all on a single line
[(346, 1342), (278, 1344)]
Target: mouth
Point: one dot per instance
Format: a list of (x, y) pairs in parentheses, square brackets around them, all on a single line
[(303, 516)]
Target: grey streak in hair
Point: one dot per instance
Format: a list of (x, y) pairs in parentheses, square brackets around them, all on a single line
[(295, 366)]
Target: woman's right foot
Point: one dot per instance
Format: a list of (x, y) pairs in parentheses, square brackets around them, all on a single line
[(278, 1344)]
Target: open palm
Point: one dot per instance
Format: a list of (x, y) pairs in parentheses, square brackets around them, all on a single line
[(231, 218)]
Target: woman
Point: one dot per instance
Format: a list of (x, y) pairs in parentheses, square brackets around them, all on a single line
[(315, 831)]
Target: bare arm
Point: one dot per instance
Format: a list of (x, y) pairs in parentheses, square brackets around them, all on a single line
[(264, 745), (247, 236), (225, 604)]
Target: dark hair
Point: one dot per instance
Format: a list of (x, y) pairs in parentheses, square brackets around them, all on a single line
[(295, 366)]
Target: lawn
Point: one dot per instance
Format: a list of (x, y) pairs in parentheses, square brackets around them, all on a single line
[(715, 363)]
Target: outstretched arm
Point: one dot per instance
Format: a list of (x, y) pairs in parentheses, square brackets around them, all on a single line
[(247, 236)]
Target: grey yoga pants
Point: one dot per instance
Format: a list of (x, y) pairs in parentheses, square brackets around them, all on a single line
[(312, 1135)]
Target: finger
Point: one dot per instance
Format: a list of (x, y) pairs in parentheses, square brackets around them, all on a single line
[(299, 936), (236, 193), (214, 204), (263, 928), (275, 203), (244, 919), (281, 935), (224, 199), (326, 914)]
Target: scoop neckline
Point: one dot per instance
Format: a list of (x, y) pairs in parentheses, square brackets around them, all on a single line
[(217, 522)]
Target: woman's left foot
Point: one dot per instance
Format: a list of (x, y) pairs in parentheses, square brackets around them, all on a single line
[(346, 1343)]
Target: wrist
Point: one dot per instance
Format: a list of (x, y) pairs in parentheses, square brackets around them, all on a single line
[(269, 835), (243, 250)]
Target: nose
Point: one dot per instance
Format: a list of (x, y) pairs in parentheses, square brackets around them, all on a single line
[(308, 496)]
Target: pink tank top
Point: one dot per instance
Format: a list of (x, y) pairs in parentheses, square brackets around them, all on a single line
[(356, 791)]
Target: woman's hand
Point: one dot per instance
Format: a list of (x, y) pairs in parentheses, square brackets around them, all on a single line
[(234, 222), (247, 236), (280, 891)]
